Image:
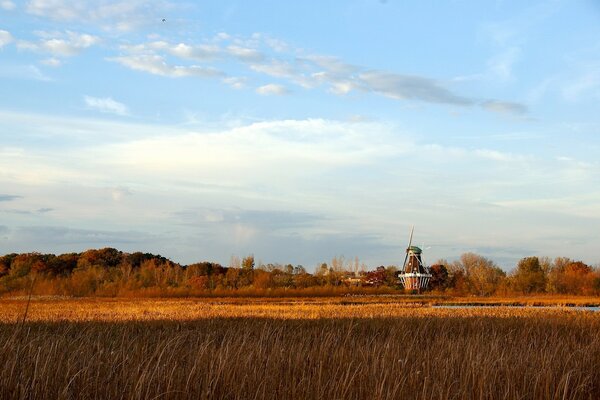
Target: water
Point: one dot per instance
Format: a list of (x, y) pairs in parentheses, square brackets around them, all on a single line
[(578, 308)]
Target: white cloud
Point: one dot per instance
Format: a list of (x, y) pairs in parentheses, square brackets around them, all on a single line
[(5, 38), (332, 64), (106, 105), (496, 155), (52, 62), (56, 9), (284, 70), (260, 145), (111, 15), (278, 45), (308, 71), (201, 52), (245, 54), (155, 64), (365, 177), (7, 5), (272, 89), (223, 36), (236, 82), (65, 45)]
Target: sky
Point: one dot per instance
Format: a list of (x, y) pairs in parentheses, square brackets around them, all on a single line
[(301, 131)]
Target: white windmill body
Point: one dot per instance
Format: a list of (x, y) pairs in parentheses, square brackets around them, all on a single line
[(414, 275)]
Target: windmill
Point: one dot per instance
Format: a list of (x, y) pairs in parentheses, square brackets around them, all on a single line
[(414, 275)]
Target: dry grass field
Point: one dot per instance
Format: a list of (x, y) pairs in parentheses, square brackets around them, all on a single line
[(365, 348)]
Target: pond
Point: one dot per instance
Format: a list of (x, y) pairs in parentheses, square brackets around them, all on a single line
[(459, 306)]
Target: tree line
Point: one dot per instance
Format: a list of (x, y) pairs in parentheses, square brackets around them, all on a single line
[(110, 272)]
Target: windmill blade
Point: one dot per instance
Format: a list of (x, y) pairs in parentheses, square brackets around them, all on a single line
[(409, 243)]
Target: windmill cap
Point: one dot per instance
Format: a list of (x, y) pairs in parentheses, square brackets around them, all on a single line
[(414, 249)]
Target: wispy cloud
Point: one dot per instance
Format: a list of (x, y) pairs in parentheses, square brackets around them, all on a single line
[(501, 65), (60, 44), (245, 53), (175, 169), (7, 5), (284, 69), (155, 64), (308, 71), (261, 220), (405, 87), (505, 107), (112, 15), (106, 105), (52, 62), (27, 72), (5, 38), (236, 82), (272, 89)]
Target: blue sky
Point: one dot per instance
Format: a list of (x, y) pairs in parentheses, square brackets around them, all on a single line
[(300, 131)]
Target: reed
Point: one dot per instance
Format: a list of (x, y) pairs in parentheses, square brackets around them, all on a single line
[(426, 353)]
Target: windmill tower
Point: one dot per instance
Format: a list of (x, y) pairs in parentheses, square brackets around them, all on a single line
[(414, 275)]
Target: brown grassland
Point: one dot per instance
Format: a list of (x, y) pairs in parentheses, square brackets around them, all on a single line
[(302, 348)]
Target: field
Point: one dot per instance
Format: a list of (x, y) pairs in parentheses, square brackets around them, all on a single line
[(333, 348)]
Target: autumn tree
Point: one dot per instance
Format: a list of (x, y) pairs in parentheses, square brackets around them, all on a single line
[(571, 277), (262, 279), (5, 262), (529, 276), (304, 280), (247, 271), (439, 277), (377, 277), (482, 275)]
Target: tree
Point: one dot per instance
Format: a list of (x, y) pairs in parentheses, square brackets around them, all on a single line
[(440, 278), (571, 277), (481, 275), (232, 277), (578, 278), (304, 280), (391, 275), (322, 269), (247, 271), (299, 269), (377, 277), (5, 262), (529, 276), (262, 279), (63, 264), (248, 263)]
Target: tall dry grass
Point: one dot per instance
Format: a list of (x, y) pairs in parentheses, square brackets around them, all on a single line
[(113, 310), (542, 356)]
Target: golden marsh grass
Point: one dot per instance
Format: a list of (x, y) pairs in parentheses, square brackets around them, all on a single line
[(300, 349)]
